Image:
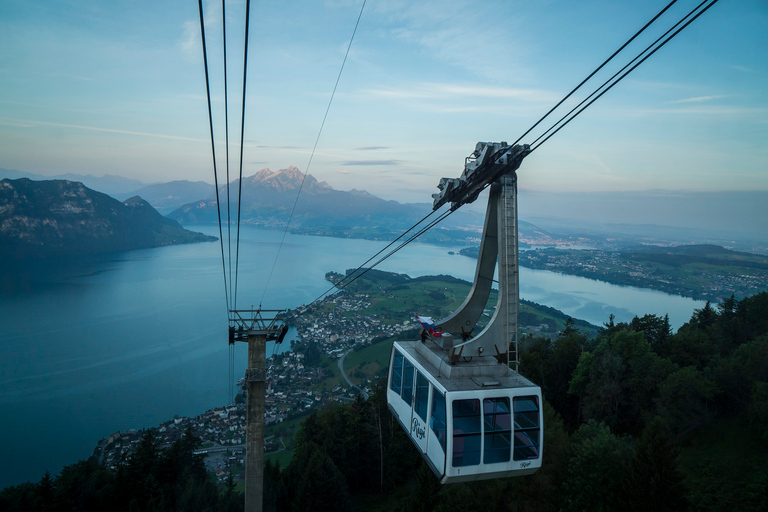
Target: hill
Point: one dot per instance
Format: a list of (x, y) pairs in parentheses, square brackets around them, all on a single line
[(41, 219)]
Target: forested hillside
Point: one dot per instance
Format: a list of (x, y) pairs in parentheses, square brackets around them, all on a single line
[(636, 418)]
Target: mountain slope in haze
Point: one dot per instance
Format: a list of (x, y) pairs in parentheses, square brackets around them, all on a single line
[(40, 219), (268, 198), (167, 197), (109, 183)]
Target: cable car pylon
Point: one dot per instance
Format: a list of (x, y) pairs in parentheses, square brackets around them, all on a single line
[(468, 412), (255, 327)]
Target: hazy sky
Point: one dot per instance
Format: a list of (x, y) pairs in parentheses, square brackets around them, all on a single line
[(118, 87)]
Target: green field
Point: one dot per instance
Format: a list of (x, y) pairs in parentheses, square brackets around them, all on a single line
[(395, 298), (369, 362)]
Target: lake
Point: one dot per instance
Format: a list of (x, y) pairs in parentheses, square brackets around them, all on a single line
[(129, 340)]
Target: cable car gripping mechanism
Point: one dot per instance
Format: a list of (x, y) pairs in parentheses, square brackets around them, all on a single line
[(485, 165)]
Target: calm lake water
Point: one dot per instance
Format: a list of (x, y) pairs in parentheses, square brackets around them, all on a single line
[(129, 340)]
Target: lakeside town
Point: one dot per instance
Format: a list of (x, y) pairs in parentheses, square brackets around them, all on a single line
[(327, 331)]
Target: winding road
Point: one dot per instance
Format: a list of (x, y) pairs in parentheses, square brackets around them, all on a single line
[(340, 362)]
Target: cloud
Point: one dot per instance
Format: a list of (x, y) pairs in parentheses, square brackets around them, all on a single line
[(699, 99), (461, 33), (438, 91), (372, 162), (341, 171), (372, 148), (34, 124), (190, 39), (712, 110), (274, 147)]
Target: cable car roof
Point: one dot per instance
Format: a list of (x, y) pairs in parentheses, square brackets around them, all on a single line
[(477, 374)]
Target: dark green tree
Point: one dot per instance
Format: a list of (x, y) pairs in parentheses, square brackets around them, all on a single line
[(424, 491), (655, 328), (322, 487), (598, 464), (618, 380), (653, 480), (686, 399)]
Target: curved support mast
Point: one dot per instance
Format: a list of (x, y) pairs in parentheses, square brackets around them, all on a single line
[(500, 335), (493, 164), (464, 319)]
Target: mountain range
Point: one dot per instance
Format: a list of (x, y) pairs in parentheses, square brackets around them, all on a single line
[(40, 219), (269, 199), (601, 220)]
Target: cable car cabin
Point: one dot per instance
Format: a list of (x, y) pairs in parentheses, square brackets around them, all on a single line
[(474, 421)]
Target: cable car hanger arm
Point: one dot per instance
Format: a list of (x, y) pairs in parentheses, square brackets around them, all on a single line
[(489, 162)]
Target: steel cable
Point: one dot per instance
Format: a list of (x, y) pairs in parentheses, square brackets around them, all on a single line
[(213, 148), (312, 154), (712, 2), (596, 70), (242, 140)]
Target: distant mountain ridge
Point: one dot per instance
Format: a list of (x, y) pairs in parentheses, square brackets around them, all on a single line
[(268, 198), (40, 219), (166, 197), (109, 184)]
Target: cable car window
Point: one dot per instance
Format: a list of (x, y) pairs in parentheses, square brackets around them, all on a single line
[(408, 382), (498, 430), (397, 373), (422, 395), (437, 422), (466, 432), (527, 428)]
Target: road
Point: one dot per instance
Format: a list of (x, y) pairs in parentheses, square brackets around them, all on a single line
[(340, 362)]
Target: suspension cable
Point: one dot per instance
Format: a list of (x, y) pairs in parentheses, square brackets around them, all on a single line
[(596, 70), (712, 2), (242, 143), (384, 249), (213, 148), (617, 73), (226, 141), (312, 154), (354, 276)]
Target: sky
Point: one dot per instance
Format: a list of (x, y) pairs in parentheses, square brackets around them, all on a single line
[(118, 87)]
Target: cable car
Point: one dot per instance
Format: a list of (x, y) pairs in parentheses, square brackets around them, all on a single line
[(467, 427), (470, 414)]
